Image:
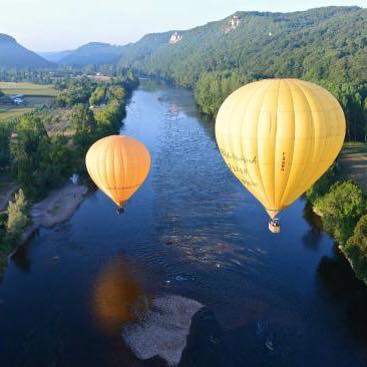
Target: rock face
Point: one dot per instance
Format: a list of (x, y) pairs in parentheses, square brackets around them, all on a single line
[(164, 330), (175, 37), (232, 23)]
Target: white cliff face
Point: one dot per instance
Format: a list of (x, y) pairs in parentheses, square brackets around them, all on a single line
[(175, 37), (231, 24)]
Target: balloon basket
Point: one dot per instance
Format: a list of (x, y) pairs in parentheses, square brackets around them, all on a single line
[(274, 225)]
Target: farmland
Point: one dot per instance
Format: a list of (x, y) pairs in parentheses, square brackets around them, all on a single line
[(34, 95), (8, 113), (28, 89)]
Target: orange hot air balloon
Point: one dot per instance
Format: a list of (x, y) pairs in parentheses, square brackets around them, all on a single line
[(118, 165)]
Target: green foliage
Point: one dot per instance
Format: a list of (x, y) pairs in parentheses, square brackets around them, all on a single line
[(77, 90), (115, 93), (341, 207), (322, 185), (82, 118), (220, 86), (38, 161), (5, 134), (56, 162), (356, 248), (17, 216), (98, 96)]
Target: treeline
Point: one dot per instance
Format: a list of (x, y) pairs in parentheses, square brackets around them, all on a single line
[(38, 161), (342, 206), (212, 88), (51, 76)]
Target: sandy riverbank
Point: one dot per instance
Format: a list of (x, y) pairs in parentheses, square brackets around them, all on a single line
[(57, 207)]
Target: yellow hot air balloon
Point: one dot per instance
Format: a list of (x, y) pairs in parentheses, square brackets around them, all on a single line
[(118, 165), (278, 136)]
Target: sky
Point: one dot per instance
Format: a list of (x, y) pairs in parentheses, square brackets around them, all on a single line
[(55, 25)]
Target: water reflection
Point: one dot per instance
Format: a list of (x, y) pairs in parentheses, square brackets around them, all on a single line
[(21, 259), (118, 295), (312, 238), (344, 291)]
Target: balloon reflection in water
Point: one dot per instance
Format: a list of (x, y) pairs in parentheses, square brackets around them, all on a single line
[(118, 296)]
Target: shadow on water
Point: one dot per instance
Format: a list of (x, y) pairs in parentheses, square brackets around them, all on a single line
[(312, 238), (21, 259), (343, 290)]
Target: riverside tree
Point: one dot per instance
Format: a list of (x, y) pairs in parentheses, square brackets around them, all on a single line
[(17, 216), (341, 208)]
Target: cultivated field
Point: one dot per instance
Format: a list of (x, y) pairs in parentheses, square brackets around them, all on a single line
[(28, 89), (12, 112), (34, 95), (353, 160)]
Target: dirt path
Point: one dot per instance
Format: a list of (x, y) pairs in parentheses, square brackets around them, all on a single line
[(353, 161)]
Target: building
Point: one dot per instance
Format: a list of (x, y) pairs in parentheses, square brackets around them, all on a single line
[(17, 98)]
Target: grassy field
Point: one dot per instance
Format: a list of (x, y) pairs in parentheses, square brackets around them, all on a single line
[(353, 161), (7, 113), (28, 89), (35, 95)]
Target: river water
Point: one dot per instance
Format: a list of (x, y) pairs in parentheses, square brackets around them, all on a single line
[(191, 230)]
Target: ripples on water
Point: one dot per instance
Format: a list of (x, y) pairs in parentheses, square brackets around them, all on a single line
[(192, 230)]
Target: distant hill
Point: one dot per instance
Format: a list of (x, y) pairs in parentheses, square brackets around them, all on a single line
[(12, 54), (92, 53), (54, 56), (322, 43)]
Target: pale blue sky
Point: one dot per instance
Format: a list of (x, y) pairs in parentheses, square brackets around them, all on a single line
[(49, 25)]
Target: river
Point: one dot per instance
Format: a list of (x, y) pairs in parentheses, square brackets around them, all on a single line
[(191, 230)]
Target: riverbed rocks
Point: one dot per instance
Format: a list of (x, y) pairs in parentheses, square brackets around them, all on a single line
[(164, 329)]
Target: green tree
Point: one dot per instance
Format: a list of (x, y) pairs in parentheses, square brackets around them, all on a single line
[(98, 96), (356, 248), (82, 118), (17, 215), (24, 150), (341, 208)]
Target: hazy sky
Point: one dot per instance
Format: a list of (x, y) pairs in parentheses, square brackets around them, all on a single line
[(48, 25)]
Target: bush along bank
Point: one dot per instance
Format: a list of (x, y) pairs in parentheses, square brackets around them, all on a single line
[(342, 206)]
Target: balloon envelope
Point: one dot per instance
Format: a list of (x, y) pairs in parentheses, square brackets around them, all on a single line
[(118, 165), (278, 136)]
